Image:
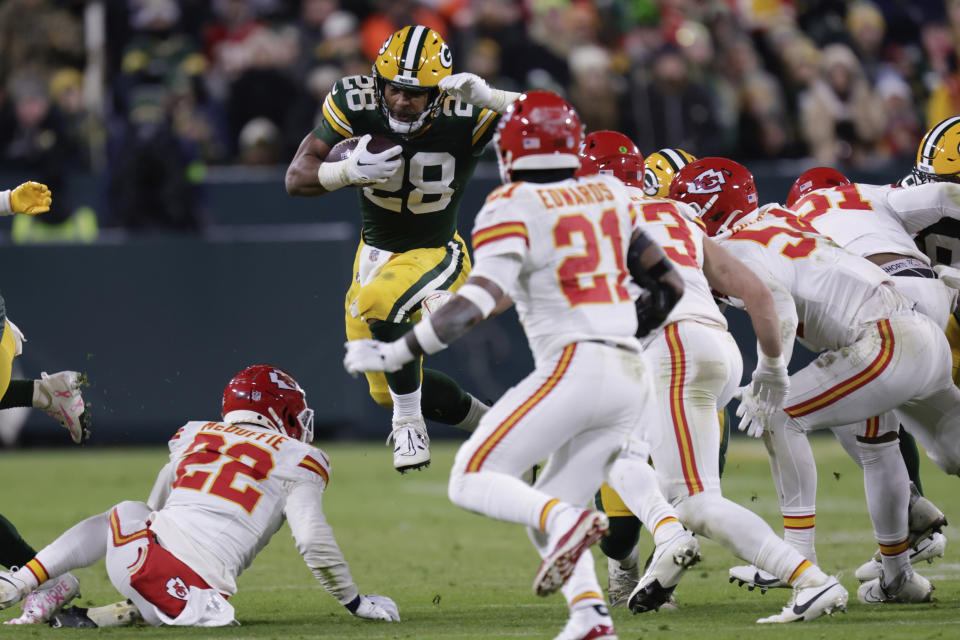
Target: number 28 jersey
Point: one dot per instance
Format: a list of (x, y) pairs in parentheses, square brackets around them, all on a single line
[(417, 207), (571, 238)]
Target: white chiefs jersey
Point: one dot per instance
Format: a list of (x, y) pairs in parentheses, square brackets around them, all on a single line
[(670, 225), (572, 238), (227, 490), (835, 293), (869, 219)]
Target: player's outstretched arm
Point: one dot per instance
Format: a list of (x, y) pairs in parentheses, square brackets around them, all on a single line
[(474, 301), (652, 270), (30, 198), (321, 553), (770, 382), (734, 279), (471, 88)]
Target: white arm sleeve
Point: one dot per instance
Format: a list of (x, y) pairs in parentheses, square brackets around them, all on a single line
[(6, 208), (502, 269), (161, 488), (315, 542), (923, 205)]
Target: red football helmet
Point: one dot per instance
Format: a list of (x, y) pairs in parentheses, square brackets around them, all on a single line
[(269, 397), (613, 153), (540, 130), (628, 168), (813, 179), (722, 191), (601, 144)]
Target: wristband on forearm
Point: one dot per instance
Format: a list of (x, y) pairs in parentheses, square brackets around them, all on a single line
[(5, 207), (333, 175), (427, 338)]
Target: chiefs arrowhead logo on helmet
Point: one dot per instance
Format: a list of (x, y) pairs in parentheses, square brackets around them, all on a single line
[(710, 181)]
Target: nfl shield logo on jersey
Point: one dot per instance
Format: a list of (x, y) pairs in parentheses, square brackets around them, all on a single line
[(177, 588)]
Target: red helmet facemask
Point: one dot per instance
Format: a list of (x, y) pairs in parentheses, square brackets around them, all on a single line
[(813, 179), (540, 130), (720, 190), (270, 397)]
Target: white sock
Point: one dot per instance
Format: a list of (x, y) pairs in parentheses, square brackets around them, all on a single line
[(736, 528), (636, 483), (406, 405), (582, 589), (81, 545), (799, 531), (477, 411), (630, 561), (887, 488), (776, 557), (503, 497)]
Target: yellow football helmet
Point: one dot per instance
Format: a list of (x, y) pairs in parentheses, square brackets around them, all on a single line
[(415, 58), (660, 167), (938, 158)]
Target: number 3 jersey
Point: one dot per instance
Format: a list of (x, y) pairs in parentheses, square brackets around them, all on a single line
[(669, 224), (569, 240), (417, 207), (227, 490)]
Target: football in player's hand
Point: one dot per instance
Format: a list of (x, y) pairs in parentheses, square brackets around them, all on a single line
[(345, 147)]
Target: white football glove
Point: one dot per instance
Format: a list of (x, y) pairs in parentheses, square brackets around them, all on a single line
[(764, 396), (373, 355), (374, 607), (949, 275), (471, 88), (361, 167)]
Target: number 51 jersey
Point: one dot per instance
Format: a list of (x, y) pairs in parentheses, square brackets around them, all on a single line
[(572, 238), (229, 492)]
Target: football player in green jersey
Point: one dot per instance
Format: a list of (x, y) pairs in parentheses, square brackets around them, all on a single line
[(409, 196)]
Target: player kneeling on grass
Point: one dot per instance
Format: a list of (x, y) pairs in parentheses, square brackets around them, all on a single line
[(177, 557), (562, 248)]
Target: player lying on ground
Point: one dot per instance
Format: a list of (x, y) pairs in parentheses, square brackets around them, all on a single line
[(177, 556), (409, 196), (590, 386)]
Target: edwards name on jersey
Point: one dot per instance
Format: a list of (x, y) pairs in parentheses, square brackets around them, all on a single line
[(417, 207)]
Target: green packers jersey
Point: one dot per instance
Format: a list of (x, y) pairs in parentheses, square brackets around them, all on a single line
[(417, 208)]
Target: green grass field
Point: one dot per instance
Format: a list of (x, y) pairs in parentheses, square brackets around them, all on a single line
[(459, 575)]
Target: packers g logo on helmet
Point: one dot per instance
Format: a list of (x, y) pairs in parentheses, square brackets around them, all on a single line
[(660, 168), (938, 158), (415, 58)]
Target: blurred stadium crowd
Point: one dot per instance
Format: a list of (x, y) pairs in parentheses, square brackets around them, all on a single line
[(148, 93)]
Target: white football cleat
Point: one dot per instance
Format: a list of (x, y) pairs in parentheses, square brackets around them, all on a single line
[(908, 587), (411, 444), (812, 602), (667, 565), (560, 562), (927, 549), (591, 623), (621, 582), (41, 603), (58, 395), (12, 589), (756, 578)]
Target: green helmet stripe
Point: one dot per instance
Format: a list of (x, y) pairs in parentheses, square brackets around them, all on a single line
[(412, 48), (675, 160)]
